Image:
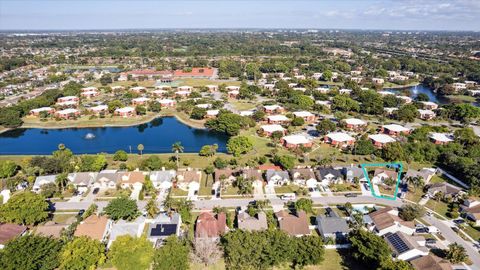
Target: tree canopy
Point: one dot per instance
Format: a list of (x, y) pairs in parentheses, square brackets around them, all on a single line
[(122, 208), (131, 253), (24, 208), (82, 253)]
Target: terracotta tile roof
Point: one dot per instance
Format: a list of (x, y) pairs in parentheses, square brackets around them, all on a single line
[(94, 227), (209, 226), (132, 177), (294, 225), (203, 72), (269, 167), (430, 262), (10, 231), (382, 219)]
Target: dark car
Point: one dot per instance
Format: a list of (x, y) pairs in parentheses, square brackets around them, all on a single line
[(95, 191), (459, 221), (351, 195), (455, 229), (422, 230), (430, 241)]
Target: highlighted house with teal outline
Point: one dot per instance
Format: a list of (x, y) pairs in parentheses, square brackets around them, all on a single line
[(395, 165)]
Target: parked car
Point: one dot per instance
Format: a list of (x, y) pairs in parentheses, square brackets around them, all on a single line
[(422, 230), (95, 191), (351, 195), (430, 241), (367, 186), (455, 229), (288, 197), (459, 221)]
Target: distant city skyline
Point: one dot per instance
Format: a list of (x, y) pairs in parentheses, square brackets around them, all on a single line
[(459, 15)]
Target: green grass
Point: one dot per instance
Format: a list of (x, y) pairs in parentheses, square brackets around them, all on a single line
[(220, 265), (206, 185), (473, 232), (202, 82), (242, 105), (62, 218), (439, 207), (414, 195), (286, 189), (230, 190), (461, 98), (178, 192)]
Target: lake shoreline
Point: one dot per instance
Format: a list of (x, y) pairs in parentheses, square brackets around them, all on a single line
[(61, 125)]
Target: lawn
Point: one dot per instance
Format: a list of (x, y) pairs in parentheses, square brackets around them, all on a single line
[(473, 232), (286, 189), (220, 265), (344, 187), (242, 105), (414, 195), (439, 207), (206, 185), (62, 218), (202, 82), (178, 192), (230, 190)]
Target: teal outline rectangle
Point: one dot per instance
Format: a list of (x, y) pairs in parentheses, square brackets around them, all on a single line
[(365, 173)]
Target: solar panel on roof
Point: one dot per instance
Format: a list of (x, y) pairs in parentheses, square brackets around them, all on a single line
[(397, 243), (163, 230)]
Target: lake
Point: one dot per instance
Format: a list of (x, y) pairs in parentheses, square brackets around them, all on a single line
[(421, 89), (157, 136)]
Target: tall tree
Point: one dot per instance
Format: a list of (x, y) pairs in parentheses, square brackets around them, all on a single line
[(172, 255), (131, 253), (82, 253), (177, 148), (456, 253), (122, 208), (24, 208)]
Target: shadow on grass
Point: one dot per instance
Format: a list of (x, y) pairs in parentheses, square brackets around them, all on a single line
[(350, 263)]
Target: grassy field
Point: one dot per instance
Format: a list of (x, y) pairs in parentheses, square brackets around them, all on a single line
[(461, 98), (439, 207), (62, 218), (242, 105), (286, 189), (473, 232), (202, 82)]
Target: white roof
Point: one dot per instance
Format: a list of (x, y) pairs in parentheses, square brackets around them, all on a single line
[(272, 128), (166, 101), (297, 139), (68, 111), (303, 114), (212, 112), (340, 137), (355, 121), (67, 103), (125, 109), (93, 92), (232, 87), (140, 99), (407, 99), (382, 138), (138, 88), (68, 97), (211, 86), (185, 87), (323, 102), (429, 103), (272, 107), (246, 113), (344, 90), (99, 108), (384, 93), (441, 137), (235, 92), (278, 117), (90, 88), (396, 128), (182, 92), (204, 106), (117, 87), (428, 112), (159, 91), (42, 109)]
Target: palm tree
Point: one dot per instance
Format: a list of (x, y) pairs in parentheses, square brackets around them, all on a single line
[(456, 253), (140, 148), (177, 148), (152, 208), (61, 181), (244, 186)]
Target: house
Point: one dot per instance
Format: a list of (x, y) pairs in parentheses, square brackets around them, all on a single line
[(268, 130), (67, 113), (325, 103), (277, 178), (212, 88), (82, 180), (163, 180), (212, 113), (95, 227), (294, 141), (304, 177), (406, 100), (445, 188), (426, 114), (252, 174), (89, 94), (386, 220), (9, 232), (329, 175), (278, 119), (133, 180), (50, 229), (140, 101), (117, 88), (378, 81), (138, 89), (426, 174), (459, 86), (43, 180), (339, 139), (385, 93), (169, 103), (271, 109), (210, 226), (352, 172), (332, 226), (98, 109), (74, 99), (471, 208), (185, 88), (293, 225), (395, 130), (380, 140), (441, 138), (389, 110), (188, 180), (233, 93), (344, 91), (380, 175), (406, 247), (204, 105), (88, 89), (227, 176), (163, 226), (182, 94), (122, 227), (249, 223), (308, 117), (106, 179), (428, 105), (196, 72), (126, 112), (354, 124), (430, 262), (159, 93), (246, 113), (39, 111)]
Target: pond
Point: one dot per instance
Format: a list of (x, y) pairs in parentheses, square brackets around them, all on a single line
[(421, 89), (157, 136)]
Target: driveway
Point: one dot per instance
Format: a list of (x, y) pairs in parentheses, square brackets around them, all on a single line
[(270, 192), (258, 190)]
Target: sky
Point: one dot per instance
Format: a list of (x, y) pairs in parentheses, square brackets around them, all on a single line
[(319, 14)]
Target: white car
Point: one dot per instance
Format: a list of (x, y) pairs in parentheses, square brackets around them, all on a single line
[(288, 196)]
